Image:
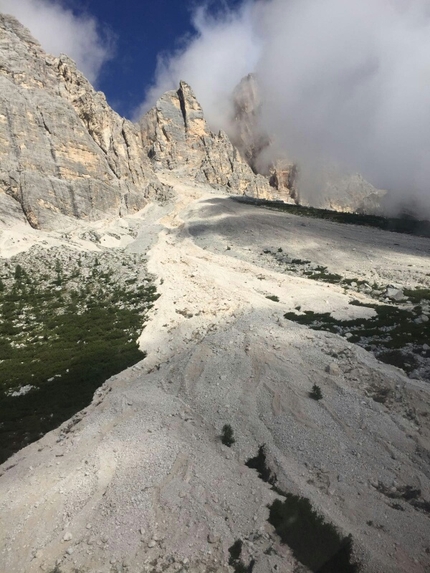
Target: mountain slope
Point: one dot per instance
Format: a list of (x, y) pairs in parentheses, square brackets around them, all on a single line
[(139, 481)]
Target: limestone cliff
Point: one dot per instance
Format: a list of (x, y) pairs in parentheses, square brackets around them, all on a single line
[(63, 150), (177, 137)]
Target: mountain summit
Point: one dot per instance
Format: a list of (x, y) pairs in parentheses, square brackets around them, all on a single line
[(64, 152)]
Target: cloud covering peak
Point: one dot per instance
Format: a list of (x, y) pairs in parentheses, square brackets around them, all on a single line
[(59, 30), (344, 82)]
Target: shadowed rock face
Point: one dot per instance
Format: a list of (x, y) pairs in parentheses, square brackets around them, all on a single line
[(177, 137), (326, 188), (63, 150)]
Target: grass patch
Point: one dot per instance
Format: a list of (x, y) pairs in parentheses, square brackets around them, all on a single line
[(62, 343), (393, 334), (406, 224), (314, 542), (417, 295)]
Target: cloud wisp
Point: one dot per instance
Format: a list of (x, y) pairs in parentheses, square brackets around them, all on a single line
[(344, 82), (60, 31)]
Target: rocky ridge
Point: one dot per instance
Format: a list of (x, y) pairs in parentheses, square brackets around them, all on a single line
[(338, 191), (177, 137), (63, 150)]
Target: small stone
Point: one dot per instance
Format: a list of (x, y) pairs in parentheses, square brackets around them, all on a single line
[(70, 551), (333, 369), (394, 294), (213, 538), (89, 526), (152, 543), (67, 536)]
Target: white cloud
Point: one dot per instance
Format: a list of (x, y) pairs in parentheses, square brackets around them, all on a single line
[(59, 30), (348, 81), (207, 63)]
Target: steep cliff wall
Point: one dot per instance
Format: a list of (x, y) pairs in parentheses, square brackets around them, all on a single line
[(177, 137), (63, 150), (326, 187)]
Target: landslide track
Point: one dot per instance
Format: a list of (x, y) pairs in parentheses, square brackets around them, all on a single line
[(140, 481)]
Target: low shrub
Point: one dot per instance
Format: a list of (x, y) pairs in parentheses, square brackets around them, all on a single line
[(314, 542), (315, 393), (227, 437)]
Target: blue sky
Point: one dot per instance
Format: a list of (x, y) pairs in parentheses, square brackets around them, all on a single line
[(115, 43), (141, 30)]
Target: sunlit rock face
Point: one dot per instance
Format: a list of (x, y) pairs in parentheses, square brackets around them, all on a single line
[(63, 150), (177, 137)]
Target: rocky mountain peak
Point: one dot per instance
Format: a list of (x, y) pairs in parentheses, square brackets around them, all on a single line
[(327, 188), (192, 111), (177, 137), (64, 152)]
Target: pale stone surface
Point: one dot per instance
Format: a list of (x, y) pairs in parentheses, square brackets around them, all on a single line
[(144, 462), (177, 137), (63, 150)]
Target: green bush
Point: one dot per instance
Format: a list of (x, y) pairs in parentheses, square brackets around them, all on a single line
[(315, 543), (315, 393), (259, 463), (85, 334), (227, 435)]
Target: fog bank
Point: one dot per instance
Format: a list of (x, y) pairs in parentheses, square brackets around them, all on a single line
[(345, 83), (60, 31)]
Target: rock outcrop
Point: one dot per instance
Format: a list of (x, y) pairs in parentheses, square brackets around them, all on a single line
[(254, 143), (63, 150), (178, 138), (247, 134), (325, 188), (334, 190)]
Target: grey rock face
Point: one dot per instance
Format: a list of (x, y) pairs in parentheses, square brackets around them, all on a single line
[(177, 137), (329, 188), (255, 144), (63, 150), (326, 187), (247, 134)]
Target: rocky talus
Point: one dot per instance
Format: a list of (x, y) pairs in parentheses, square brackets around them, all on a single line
[(140, 481), (178, 138), (63, 150)]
